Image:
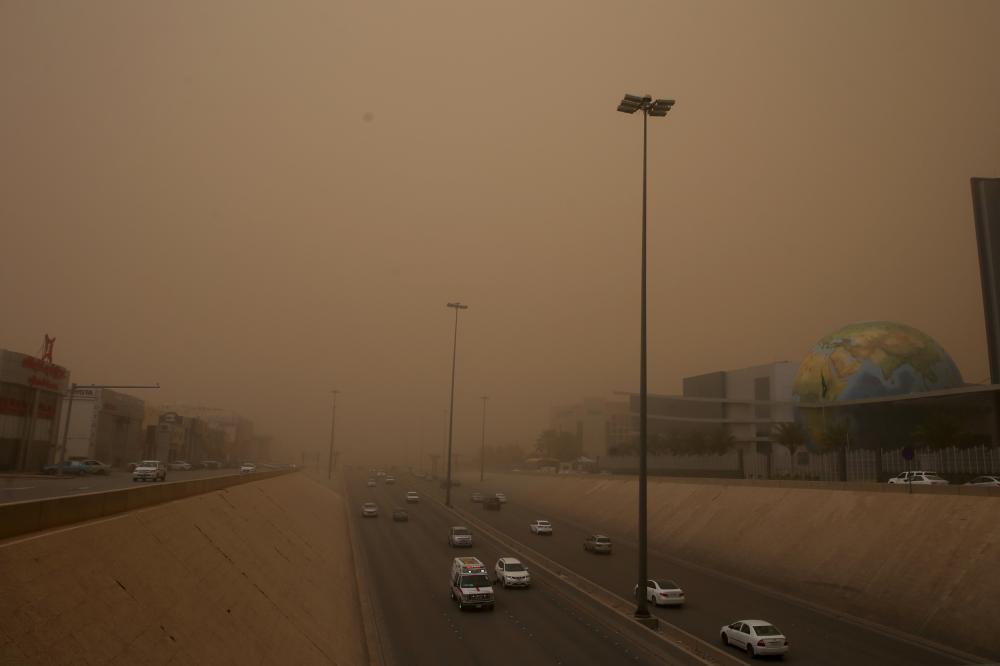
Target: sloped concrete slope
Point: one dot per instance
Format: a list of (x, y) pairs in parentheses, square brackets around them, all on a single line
[(260, 573), (923, 563)]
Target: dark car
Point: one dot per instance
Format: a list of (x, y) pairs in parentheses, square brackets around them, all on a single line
[(400, 515), (68, 467), (492, 504)]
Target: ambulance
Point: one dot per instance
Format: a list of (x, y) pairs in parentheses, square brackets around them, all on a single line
[(470, 584)]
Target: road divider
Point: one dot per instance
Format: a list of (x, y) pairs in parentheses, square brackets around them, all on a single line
[(17, 518)]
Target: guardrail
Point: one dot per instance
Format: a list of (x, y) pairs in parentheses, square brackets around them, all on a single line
[(17, 518)]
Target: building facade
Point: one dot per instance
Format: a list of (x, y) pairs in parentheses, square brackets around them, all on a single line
[(105, 425), (31, 393), (598, 424)]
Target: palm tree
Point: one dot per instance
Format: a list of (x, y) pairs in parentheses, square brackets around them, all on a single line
[(792, 436)]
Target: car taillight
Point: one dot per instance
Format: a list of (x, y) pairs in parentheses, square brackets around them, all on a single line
[(760, 643)]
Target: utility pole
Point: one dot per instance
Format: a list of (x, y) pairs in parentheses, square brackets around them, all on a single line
[(333, 431), (451, 410), (482, 452)]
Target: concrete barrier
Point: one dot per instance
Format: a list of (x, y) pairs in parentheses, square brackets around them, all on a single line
[(922, 563), (17, 518)]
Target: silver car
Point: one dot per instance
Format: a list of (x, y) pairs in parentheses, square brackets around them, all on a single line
[(150, 470)]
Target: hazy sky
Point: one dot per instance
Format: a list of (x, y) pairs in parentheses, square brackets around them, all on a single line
[(253, 203)]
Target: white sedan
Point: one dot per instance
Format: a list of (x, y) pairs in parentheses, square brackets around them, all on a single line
[(541, 527), (663, 592), (985, 482), (757, 637), (369, 510)]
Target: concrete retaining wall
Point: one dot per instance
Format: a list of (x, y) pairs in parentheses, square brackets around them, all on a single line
[(18, 518), (257, 573), (925, 563)]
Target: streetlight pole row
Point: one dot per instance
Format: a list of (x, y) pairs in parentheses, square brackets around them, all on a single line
[(658, 108), (451, 409)]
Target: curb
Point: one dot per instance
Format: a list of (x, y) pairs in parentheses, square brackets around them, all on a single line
[(369, 621)]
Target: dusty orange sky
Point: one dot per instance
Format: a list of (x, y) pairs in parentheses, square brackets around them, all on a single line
[(255, 202)]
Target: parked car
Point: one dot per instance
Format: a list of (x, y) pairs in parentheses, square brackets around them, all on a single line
[(96, 467), (662, 593), (477, 497), (985, 481), (757, 637), (510, 572), (180, 466), (541, 527), (74, 467), (919, 478), (597, 543), (412, 497), (149, 470), (400, 515), (502, 497), (369, 510), (248, 468), (460, 536)]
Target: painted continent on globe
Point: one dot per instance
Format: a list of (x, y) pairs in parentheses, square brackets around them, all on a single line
[(873, 359)]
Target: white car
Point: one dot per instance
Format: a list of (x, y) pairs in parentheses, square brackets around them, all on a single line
[(149, 470), (369, 510), (663, 592), (390, 479), (511, 573), (502, 497), (757, 637), (919, 478), (477, 497), (460, 536), (541, 527), (412, 497), (985, 482), (371, 483), (248, 468), (179, 465)]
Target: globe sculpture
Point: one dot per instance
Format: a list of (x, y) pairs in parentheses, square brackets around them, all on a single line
[(874, 359)]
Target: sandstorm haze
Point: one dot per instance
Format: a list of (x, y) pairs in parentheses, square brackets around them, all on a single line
[(254, 203)]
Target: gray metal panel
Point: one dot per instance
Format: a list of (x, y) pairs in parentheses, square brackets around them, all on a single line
[(986, 209)]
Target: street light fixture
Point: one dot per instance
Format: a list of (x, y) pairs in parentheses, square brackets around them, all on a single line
[(69, 410), (482, 452), (451, 409), (658, 108), (333, 430)]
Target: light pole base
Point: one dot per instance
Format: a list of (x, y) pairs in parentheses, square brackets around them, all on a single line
[(650, 621)]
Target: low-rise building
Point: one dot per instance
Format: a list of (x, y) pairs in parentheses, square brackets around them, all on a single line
[(31, 391)]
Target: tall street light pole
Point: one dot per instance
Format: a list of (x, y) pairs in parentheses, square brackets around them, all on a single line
[(333, 431), (451, 409), (482, 452), (658, 108), (69, 410)]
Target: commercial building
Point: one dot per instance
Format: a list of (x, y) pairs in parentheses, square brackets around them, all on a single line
[(104, 424), (598, 424), (31, 391)]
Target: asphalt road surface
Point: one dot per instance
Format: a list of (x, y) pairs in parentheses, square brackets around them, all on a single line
[(410, 563), (713, 599), (20, 488)]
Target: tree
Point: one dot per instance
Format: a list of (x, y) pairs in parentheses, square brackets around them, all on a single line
[(791, 435), (720, 441)]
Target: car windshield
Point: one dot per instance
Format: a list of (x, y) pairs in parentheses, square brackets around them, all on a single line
[(514, 566), (475, 580), (149, 463), (460, 531), (766, 630), (602, 540), (543, 523), (668, 585)]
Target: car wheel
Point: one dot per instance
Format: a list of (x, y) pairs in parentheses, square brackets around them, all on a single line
[(725, 639), (461, 606), (750, 651)]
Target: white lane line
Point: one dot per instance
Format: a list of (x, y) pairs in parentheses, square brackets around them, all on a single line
[(21, 488)]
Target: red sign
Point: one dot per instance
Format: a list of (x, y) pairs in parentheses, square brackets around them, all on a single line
[(38, 365)]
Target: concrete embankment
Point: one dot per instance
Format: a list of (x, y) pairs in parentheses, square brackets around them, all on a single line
[(924, 563), (257, 573)]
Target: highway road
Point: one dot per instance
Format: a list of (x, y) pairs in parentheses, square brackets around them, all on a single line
[(714, 599), (409, 566), (20, 488)]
